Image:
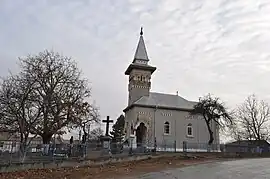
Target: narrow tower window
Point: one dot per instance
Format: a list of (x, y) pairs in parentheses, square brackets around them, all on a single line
[(143, 78)]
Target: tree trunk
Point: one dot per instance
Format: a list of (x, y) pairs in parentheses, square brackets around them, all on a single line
[(23, 147), (211, 137), (46, 138)]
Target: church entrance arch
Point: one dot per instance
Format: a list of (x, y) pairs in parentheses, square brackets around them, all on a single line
[(141, 132)]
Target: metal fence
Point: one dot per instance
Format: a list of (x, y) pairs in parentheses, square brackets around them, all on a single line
[(10, 151), (173, 146)]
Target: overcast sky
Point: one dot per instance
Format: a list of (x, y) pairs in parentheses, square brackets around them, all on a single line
[(198, 46)]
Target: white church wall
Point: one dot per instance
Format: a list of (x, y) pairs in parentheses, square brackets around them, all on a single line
[(163, 116), (178, 121), (129, 117)]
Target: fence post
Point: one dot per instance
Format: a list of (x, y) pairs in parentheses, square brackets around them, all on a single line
[(165, 146), (209, 147), (155, 145), (175, 146)]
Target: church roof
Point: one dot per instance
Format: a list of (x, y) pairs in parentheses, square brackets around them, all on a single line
[(161, 100), (141, 59), (141, 53)]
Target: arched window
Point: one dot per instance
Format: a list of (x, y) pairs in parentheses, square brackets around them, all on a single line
[(189, 130), (143, 78), (166, 127)]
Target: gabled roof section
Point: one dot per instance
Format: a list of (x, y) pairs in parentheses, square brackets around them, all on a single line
[(166, 100), (161, 100)]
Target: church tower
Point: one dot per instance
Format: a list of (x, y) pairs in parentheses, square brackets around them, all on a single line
[(139, 73)]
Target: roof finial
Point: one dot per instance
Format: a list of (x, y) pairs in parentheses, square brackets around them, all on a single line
[(141, 33)]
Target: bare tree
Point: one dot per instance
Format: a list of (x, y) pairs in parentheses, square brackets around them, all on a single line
[(96, 133), (48, 96), (252, 120), (213, 111), (18, 110), (61, 92), (88, 114)]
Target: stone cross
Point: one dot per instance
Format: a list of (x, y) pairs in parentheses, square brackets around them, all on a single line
[(107, 121)]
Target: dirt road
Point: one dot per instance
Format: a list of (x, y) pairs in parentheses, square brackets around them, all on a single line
[(107, 171), (238, 169)]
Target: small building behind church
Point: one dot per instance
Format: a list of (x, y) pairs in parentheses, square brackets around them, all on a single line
[(253, 146), (157, 118)]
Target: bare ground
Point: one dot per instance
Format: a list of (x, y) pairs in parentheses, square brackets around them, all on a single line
[(111, 171)]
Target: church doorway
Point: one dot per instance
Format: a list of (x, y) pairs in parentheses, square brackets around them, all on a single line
[(141, 134)]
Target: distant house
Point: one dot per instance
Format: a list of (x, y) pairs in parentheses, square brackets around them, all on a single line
[(8, 142), (253, 146), (11, 142)]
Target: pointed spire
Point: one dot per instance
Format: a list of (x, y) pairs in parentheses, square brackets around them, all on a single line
[(141, 53)]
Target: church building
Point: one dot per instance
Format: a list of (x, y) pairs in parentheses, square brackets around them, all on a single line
[(157, 118)]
